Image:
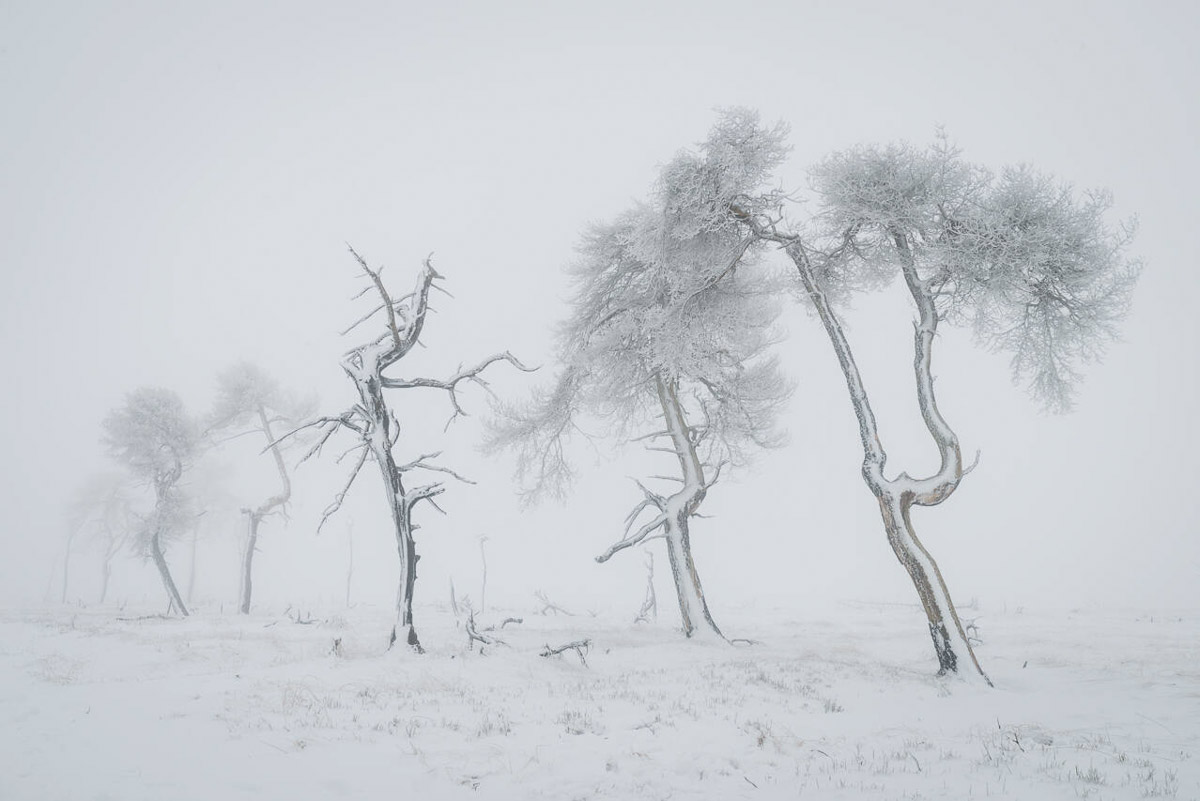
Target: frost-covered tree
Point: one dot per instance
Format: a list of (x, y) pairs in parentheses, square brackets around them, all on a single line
[(154, 437), (1031, 264), (250, 400), (101, 509), (378, 430), (668, 321)]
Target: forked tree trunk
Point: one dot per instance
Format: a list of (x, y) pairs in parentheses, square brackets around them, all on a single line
[(169, 583), (255, 516), (693, 608), (897, 496)]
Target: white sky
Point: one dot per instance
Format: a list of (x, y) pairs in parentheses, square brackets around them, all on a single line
[(178, 182)]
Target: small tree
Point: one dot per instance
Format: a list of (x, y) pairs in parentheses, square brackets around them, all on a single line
[(155, 439), (102, 510), (667, 322), (249, 399), (372, 421), (1034, 267)]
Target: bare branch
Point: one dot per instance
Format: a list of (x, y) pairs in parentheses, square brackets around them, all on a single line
[(474, 636), (549, 606), (450, 385), (383, 293), (580, 647), (421, 463), (341, 496), (628, 542)]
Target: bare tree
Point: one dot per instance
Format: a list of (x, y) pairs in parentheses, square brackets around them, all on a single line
[(1033, 266), (248, 396), (155, 439), (667, 322), (377, 429)]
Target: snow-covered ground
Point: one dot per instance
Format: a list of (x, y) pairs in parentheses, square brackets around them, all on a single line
[(838, 704)]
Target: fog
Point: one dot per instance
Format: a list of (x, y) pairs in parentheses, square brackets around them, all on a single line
[(180, 182)]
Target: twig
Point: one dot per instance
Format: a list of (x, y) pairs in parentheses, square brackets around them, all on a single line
[(580, 647), (547, 606)]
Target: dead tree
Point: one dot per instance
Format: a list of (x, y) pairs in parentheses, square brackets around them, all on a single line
[(371, 421)]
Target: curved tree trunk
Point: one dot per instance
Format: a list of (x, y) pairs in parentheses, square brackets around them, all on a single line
[(256, 515), (950, 642), (897, 496), (680, 507), (169, 583)]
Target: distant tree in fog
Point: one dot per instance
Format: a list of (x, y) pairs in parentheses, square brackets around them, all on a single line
[(101, 509), (376, 427), (1030, 264), (669, 320), (249, 400), (154, 438)]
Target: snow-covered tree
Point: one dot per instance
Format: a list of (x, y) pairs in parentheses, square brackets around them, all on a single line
[(373, 423), (101, 509), (1031, 264), (249, 399), (668, 321), (153, 436)]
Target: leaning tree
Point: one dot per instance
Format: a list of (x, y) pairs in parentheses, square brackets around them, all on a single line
[(377, 429), (1032, 265), (153, 436), (667, 321), (248, 399)]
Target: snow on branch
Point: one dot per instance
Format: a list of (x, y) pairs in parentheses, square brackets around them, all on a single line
[(422, 463), (643, 533), (580, 647), (450, 385), (338, 499)]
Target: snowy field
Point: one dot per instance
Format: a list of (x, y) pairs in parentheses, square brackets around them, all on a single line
[(112, 704)]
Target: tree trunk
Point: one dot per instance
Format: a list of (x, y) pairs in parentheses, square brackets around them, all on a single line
[(897, 496), (66, 571), (105, 574), (350, 562), (256, 515), (693, 608), (252, 520), (950, 641), (380, 443), (191, 585), (163, 571)]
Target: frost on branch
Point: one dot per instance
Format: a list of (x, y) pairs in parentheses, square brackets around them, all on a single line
[(1033, 267), (153, 436), (249, 400), (376, 429), (670, 319)]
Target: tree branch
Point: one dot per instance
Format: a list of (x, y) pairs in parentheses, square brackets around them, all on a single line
[(333, 507), (450, 385)]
